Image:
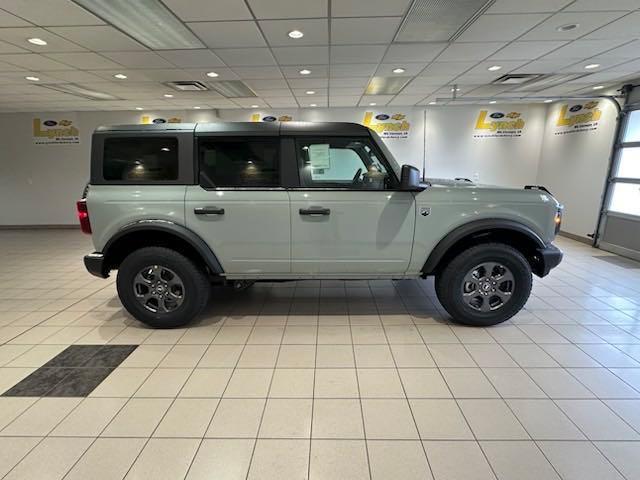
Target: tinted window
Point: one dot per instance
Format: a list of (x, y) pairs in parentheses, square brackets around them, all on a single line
[(140, 159), (341, 163), (242, 163)]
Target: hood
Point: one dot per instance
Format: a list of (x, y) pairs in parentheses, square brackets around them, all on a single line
[(462, 183)]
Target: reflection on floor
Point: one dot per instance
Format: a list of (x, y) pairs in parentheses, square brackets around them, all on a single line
[(317, 379)]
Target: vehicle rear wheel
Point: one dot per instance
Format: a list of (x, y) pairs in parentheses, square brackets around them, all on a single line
[(161, 287), (485, 285)]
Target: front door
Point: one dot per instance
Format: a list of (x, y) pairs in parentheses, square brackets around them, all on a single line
[(240, 208), (348, 217)]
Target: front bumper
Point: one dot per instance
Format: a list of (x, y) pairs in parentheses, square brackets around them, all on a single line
[(546, 259), (95, 264)]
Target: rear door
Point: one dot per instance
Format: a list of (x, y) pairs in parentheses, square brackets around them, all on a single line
[(239, 206), (347, 216)]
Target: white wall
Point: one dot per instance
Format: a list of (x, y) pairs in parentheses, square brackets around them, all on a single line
[(573, 166)]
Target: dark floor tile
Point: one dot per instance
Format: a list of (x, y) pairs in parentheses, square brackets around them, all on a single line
[(74, 356), (110, 356), (38, 383), (80, 382)]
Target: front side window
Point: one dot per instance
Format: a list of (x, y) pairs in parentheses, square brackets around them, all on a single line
[(241, 163), (140, 159), (338, 162)]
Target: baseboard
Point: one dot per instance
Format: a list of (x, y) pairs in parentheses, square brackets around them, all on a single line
[(39, 227), (577, 238)]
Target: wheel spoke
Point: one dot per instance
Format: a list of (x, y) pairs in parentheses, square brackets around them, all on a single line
[(485, 306), (158, 289), (488, 286)]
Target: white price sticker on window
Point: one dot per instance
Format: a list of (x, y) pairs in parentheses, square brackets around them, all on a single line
[(319, 155)]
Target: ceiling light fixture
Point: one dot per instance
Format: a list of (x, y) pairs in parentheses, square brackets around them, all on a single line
[(310, 92), (548, 101), (433, 103), (139, 108), (493, 102), (398, 70), (494, 68), (598, 87), (212, 74), (568, 27), (168, 95), (37, 41), (32, 79), (255, 106), (313, 104), (148, 21), (455, 89), (197, 108), (591, 66), (295, 34), (121, 76), (372, 104), (304, 71)]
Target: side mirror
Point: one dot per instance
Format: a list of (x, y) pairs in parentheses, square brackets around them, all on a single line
[(410, 178)]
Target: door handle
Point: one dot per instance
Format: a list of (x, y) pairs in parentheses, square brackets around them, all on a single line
[(208, 211), (315, 211)]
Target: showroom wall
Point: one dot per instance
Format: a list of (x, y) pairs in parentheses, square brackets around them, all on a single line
[(510, 145)]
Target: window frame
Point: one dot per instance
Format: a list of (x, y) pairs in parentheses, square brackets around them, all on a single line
[(298, 139), (235, 139), (186, 175)]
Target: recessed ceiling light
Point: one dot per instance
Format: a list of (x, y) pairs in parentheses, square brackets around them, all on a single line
[(295, 34), (304, 71), (568, 27), (598, 87), (494, 68), (548, 101), (313, 104), (493, 102), (373, 104), (121, 76), (455, 89), (168, 95), (37, 41), (310, 92), (212, 74), (591, 66), (433, 103), (197, 108), (398, 70), (139, 108), (255, 106), (33, 79)]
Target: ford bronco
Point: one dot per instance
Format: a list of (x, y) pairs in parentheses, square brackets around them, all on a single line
[(177, 207)]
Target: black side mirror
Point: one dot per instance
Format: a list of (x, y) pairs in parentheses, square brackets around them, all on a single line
[(410, 178)]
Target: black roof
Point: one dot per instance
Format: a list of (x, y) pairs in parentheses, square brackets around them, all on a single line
[(247, 128)]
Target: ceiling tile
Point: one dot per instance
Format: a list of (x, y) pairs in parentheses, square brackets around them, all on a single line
[(246, 57), (10, 48), (629, 50), (526, 50), (191, 58), (267, 83), (138, 59), (302, 93), (18, 36), (258, 72), (469, 51), (289, 8), (625, 27), (587, 21), (482, 68), (274, 92), (83, 60), (228, 34), (370, 8), (443, 68), (346, 91), (316, 32), (33, 61), (583, 49), (99, 38), (298, 55), (379, 100), (500, 27), (343, 101), (312, 83), (406, 99), (546, 66), (349, 31), (413, 52), (357, 53), (55, 13), (386, 69), (599, 5), (352, 70), (282, 102), (209, 10), (317, 71), (8, 20), (76, 76), (360, 82), (7, 67), (528, 6)]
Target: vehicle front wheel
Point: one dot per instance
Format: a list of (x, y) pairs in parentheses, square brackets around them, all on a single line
[(161, 287), (485, 285)]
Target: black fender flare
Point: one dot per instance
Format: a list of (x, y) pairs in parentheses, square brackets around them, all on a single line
[(179, 231), (477, 226)]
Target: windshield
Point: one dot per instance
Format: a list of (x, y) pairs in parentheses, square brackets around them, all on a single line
[(388, 155)]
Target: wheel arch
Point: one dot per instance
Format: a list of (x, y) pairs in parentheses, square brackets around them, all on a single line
[(520, 236), (159, 233)]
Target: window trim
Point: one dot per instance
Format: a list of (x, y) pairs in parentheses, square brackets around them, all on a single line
[(219, 139)]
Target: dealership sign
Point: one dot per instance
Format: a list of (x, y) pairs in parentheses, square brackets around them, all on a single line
[(258, 117), (147, 120), (498, 124), (55, 130), (394, 125), (578, 117)]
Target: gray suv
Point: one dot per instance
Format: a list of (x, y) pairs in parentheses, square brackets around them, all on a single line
[(177, 207)]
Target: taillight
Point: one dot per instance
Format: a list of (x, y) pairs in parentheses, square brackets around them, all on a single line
[(83, 216), (558, 220)]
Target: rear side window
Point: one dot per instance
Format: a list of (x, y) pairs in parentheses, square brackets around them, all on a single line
[(241, 163), (140, 159)]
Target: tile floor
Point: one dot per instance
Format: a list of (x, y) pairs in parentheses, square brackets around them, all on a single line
[(323, 380)]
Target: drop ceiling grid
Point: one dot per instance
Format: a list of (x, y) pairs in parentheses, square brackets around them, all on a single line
[(249, 35)]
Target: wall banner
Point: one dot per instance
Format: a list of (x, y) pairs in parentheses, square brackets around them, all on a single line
[(499, 124), (394, 125), (578, 117), (147, 120), (259, 117), (55, 129)]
